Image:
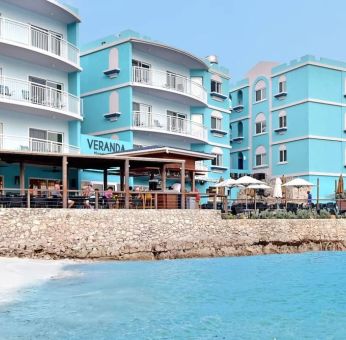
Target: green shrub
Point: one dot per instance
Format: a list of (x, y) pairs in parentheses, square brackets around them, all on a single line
[(324, 214)]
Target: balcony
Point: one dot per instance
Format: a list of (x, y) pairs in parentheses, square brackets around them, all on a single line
[(30, 97), (172, 86), (167, 124), (28, 144), (36, 45)]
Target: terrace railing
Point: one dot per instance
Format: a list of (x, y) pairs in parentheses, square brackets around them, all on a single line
[(168, 81), (37, 38), (26, 92), (167, 123)]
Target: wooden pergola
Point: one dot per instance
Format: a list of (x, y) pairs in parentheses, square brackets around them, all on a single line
[(97, 162)]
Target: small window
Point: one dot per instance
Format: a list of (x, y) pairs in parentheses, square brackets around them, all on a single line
[(260, 95), (283, 122), (215, 86), (283, 156), (260, 91), (218, 160), (240, 129), (260, 123), (261, 156), (282, 86), (216, 123), (240, 97)]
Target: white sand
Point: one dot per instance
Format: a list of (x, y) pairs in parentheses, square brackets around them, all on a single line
[(17, 274)]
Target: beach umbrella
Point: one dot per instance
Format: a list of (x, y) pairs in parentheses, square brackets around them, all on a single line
[(298, 183), (246, 181), (226, 183), (340, 187), (277, 193)]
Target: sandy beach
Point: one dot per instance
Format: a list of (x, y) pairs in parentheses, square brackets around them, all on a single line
[(17, 274)]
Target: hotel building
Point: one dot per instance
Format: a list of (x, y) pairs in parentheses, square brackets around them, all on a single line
[(40, 108), (147, 93), (290, 120)]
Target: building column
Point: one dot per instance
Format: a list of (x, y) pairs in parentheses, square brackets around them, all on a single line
[(182, 180), (105, 179), (164, 177), (127, 175), (193, 181), (64, 182), (22, 178)]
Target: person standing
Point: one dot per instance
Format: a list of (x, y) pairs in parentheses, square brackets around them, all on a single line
[(309, 199)]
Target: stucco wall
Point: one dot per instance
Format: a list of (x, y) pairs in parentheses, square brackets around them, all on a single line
[(161, 234)]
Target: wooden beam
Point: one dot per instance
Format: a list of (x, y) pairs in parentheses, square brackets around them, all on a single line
[(127, 192), (182, 179), (64, 182), (105, 179), (22, 178), (193, 181), (164, 177)]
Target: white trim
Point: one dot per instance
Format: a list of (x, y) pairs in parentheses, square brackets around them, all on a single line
[(313, 63), (260, 101), (313, 173), (220, 145), (218, 109), (240, 150), (216, 114), (105, 89), (239, 88), (260, 166), (308, 100), (238, 119), (282, 163), (260, 134), (289, 140)]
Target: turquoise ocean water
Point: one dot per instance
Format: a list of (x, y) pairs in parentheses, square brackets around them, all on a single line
[(300, 296)]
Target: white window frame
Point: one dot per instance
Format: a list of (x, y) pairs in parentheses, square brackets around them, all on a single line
[(283, 121), (262, 94), (217, 123), (218, 160), (218, 86), (282, 86), (261, 156), (282, 154)]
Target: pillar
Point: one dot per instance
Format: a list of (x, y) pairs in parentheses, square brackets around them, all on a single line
[(64, 182), (127, 175), (105, 179), (164, 177), (22, 178), (182, 179)]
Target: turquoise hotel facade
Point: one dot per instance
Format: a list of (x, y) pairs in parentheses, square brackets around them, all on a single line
[(284, 119), (290, 120), (40, 108), (146, 93)]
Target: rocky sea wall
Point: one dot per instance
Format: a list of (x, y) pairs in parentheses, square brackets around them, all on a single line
[(157, 234)]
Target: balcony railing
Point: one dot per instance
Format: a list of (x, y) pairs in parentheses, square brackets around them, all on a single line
[(37, 38), (22, 91), (168, 81), (168, 123), (18, 143)]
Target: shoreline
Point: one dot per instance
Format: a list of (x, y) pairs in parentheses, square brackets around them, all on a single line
[(156, 235)]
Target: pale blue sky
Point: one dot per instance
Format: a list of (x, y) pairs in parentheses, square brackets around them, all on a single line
[(240, 32)]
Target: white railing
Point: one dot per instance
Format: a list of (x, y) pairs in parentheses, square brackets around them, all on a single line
[(37, 38), (167, 123), (168, 81), (17, 90), (201, 166), (18, 143)]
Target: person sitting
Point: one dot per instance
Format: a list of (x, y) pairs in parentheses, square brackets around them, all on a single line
[(56, 193), (108, 195), (87, 193), (137, 199)]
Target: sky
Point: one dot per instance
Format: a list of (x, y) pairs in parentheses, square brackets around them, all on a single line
[(240, 32)]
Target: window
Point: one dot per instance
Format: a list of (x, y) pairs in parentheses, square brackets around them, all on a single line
[(240, 97), (282, 84), (45, 141), (240, 129), (176, 122), (282, 120), (260, 91), (215, 86), (216, 123), (218, 160), (141, 71), (282, 154), (175, 81), (240, 161), (260, 122), (216, 120), (260, 156)]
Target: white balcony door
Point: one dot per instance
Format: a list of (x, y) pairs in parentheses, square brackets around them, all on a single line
[(45, 141), (176, 122), (197, 128), (142, 114), (46, 92), (141, 72)]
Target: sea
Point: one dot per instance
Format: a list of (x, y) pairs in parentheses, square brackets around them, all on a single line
[(295, 296)]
